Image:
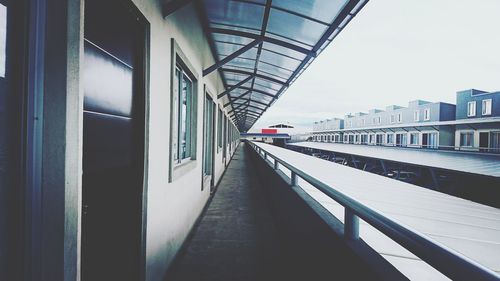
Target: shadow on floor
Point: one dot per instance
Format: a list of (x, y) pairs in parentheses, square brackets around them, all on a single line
[(240, 237)]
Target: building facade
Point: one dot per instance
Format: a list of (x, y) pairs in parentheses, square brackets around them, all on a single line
[(477, 106), (472, 124)]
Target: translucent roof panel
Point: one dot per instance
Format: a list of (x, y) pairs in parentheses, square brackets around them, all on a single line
[(224, 49), (269, 43), (304, 30), (230, 12), (322, 10)]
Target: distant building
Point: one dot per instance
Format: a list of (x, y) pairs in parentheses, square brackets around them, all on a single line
[(480, 106), (472, 124)]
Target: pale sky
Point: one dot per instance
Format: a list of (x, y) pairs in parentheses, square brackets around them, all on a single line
[(395, 51)]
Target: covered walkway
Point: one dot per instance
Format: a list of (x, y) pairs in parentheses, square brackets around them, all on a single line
[(251, 231), (236, 238)]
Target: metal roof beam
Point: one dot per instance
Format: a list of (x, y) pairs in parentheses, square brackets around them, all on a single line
[(265, 39), (231, 99), (256, 107), (234, 108), (249, 117), (246, 111), (245, 99), (258, 91), (235, 86), (265, 77), (232, 56)]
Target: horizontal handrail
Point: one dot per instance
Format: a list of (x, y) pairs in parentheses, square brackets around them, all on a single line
[(447, 261)]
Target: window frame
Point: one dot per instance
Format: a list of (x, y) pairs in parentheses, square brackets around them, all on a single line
[(209, 107), (417, 139), (469, 114), (220, 119), (190, 101), (427, 114), (483, 113), (179, 167), (416, 115), (471, 133)]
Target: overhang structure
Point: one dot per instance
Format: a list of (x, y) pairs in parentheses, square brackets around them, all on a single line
[(262, 46)]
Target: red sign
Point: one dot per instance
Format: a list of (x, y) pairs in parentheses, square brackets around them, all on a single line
[(269, 131)]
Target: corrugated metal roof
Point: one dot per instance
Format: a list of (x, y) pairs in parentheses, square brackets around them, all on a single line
[(465, 162), (469, 228)]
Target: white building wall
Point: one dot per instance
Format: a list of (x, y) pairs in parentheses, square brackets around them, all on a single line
[(172, 208)]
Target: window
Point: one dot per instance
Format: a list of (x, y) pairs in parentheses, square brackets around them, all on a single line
[(390, 139), (495, 142), (362, 122), (414, 138), (364, 139), (3, 39), (393, 118), (219, 130), (471, 108), (400, 117), (379, 139), (374, 120), (208, 136), (416, 115), (486, 107), (430, 140), (379, 119), (184, 114), (401, 139), (427, 114), (467, 139)]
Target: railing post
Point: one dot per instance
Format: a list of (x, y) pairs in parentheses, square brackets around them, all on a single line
[(276, 164), (351, 225), (293, 179)]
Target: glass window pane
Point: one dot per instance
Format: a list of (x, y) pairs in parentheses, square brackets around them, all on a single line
[(176, 120), (182, 120), (3, 39)]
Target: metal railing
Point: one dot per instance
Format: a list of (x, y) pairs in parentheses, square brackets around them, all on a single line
[(447, 261)]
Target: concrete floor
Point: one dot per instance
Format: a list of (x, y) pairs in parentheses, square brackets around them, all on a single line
[(236, 238)]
